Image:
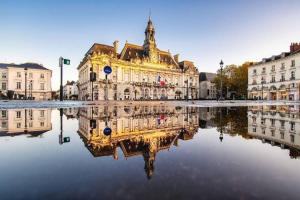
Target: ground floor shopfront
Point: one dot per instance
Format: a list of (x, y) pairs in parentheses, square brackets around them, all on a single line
[(281, 93)]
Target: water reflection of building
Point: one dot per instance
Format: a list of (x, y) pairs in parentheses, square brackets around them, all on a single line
[(70, 113), (277, 125), (136, 130), (206, 116), (25, 121)]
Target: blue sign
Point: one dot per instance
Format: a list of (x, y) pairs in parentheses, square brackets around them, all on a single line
[(107, 69), (107, 131)]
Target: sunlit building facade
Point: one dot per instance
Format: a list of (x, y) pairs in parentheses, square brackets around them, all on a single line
[(28, 80), (25, 121), (140, 130), (138, 72), (277, 77), (277, 125)]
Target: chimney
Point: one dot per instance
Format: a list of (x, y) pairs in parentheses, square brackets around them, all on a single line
[(294, 47), (176, 58), (116, 45)]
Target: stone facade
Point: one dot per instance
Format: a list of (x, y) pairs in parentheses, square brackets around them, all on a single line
[(139, 130), (138, 73), (207, 89), (277, 125), (25, 121), (70, 90), (13, 76), (276, 78)]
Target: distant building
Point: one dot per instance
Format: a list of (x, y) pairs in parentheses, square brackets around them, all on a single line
[(34, 77), (207, 89), (277, 77), (70, 90), (139, 72)]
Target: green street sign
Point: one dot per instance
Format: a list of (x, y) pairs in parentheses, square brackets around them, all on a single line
[(67, 62)]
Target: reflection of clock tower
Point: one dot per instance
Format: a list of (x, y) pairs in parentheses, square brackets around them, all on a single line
[(149, 43)]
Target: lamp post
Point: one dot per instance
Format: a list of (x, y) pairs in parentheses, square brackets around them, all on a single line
[(221, 68), (25, 82)]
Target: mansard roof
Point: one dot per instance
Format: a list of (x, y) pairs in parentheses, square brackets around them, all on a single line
[(133, 51), (207, 76), (101, 48), (24, 65), (187, 65)]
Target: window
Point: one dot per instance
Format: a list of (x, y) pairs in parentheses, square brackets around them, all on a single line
[(19, 74), (273, 68), (42, 76), (18, 125), (3, 86), (272, 133), (282, 123), (42, 124), (273, 122), (254, 71), (273, 80), (292, 138), (4, 124), (282, 66), (30, 124), (254, 129), (263, 70), (3, 75), (282, 135), (293, 75), (18, 85), (42, 86), (292, 126), (282, 77), (3, 113), (18, 113), (293, 63), (42, 113)]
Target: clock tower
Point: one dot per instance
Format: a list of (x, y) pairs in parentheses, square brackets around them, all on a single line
[(149, 42)]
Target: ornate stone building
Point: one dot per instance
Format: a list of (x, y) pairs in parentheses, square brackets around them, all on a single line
[(140, 130), (138, 72)]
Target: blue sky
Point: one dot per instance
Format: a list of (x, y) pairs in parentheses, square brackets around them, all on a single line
[(201, 31)]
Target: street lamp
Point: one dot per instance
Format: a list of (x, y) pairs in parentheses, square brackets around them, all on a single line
[(221, 68), (25, 82)]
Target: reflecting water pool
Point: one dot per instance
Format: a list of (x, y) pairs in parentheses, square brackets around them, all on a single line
[(150, 152)]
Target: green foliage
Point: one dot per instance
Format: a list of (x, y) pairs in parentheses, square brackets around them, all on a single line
[(235, 78)]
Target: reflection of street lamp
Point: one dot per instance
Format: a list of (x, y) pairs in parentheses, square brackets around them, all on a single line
[(221, 68), (25, 82), (221, 134)]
